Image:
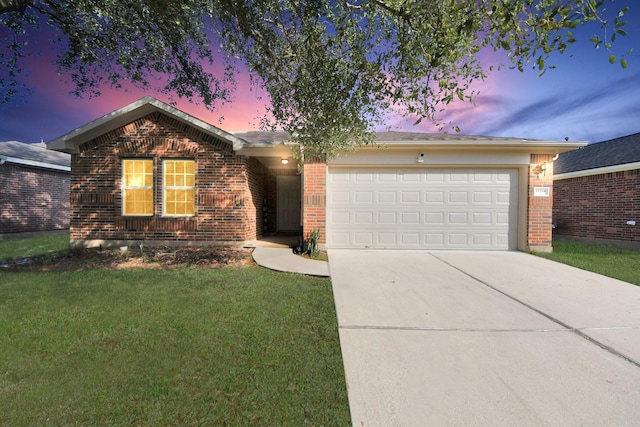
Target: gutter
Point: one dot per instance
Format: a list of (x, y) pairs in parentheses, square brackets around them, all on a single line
[(16, 160)]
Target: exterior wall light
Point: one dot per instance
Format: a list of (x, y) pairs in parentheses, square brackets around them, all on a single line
[(420, 158), (543, 168), (284, 160)]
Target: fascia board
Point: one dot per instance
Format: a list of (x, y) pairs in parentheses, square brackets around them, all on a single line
[(34, 163), (533, 147)]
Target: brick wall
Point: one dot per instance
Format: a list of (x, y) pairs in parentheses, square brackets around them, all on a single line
[(597, 207), (228, 195), (33, 199), (255, 193), (314, 200), (539, 215)]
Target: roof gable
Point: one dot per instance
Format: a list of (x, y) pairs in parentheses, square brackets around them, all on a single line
[(618, 151), (71, 141)]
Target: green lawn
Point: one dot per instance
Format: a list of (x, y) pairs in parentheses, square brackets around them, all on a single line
[(21, 248), (622, 264), (183, 346)]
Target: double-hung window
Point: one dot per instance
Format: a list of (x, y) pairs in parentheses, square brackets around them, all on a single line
[(179, 188), (137, 187)]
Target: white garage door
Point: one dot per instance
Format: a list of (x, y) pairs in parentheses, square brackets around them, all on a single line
[(422, 209)]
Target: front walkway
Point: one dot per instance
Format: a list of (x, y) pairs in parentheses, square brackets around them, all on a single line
[(283, 259)]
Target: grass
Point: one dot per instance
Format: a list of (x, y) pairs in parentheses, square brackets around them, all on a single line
[(183, 346), (622, 264), (22, 248)]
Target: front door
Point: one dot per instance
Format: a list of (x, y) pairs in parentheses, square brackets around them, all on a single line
[(288, 188)]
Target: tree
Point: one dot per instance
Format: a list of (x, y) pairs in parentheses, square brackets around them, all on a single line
[(332, 69)]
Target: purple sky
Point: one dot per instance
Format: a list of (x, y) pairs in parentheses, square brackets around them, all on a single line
[(584, 99)]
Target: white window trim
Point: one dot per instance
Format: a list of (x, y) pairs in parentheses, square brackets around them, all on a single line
[(165, 188), (123, 188)]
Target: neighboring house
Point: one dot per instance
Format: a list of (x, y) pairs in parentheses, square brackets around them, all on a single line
[(151, 173), (34, 189), (597, 193)]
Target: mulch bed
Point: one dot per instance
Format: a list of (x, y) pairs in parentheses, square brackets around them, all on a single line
[(133, 257)]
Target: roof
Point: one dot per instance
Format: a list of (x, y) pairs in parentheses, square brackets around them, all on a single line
[(261, 140), (618, 151), (71, 141), (33, 155), (446, 141), (278, 143)]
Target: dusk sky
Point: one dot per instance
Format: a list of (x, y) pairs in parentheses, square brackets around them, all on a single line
[(584, 99)]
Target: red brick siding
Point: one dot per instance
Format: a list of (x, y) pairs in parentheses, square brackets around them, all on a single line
[(314, 201), (33, 199), (539, 214), (255, 193), (598, 206), (228, 191)]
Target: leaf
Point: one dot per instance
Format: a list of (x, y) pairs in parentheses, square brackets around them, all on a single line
[(623, 62), (612, 59)]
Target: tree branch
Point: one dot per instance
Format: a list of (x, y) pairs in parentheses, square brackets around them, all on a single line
[(14, 5)]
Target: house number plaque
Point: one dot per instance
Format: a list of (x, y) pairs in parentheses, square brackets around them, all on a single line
[(541, 191)]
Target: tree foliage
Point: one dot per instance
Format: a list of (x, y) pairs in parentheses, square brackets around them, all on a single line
[(332, 69)]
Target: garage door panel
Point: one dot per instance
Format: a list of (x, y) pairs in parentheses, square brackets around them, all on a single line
[(434, 218), (363, 177), (481, 218), (363, 197), (411, 177), (433, 209), (457, 197), (482, 197), (387, 197), (363, 218), (387, 218), (410, 197), (339, 218), (410, 218), (434, 197), (387, 238), (457, 218)]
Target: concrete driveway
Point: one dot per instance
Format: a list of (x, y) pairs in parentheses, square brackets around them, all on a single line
[(470, 338)]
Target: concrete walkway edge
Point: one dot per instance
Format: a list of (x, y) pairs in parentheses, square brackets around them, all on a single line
[(283, 259)]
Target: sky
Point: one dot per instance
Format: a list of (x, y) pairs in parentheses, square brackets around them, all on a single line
[(584, 99)]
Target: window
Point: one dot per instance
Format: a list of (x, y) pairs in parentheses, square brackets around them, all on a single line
[(137, 187), (179, 188)]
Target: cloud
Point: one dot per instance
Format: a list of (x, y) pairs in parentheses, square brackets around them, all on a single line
[(576, 108)]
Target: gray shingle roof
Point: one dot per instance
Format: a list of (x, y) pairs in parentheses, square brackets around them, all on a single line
[(269, 138), (613, 152), (34, 153)]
